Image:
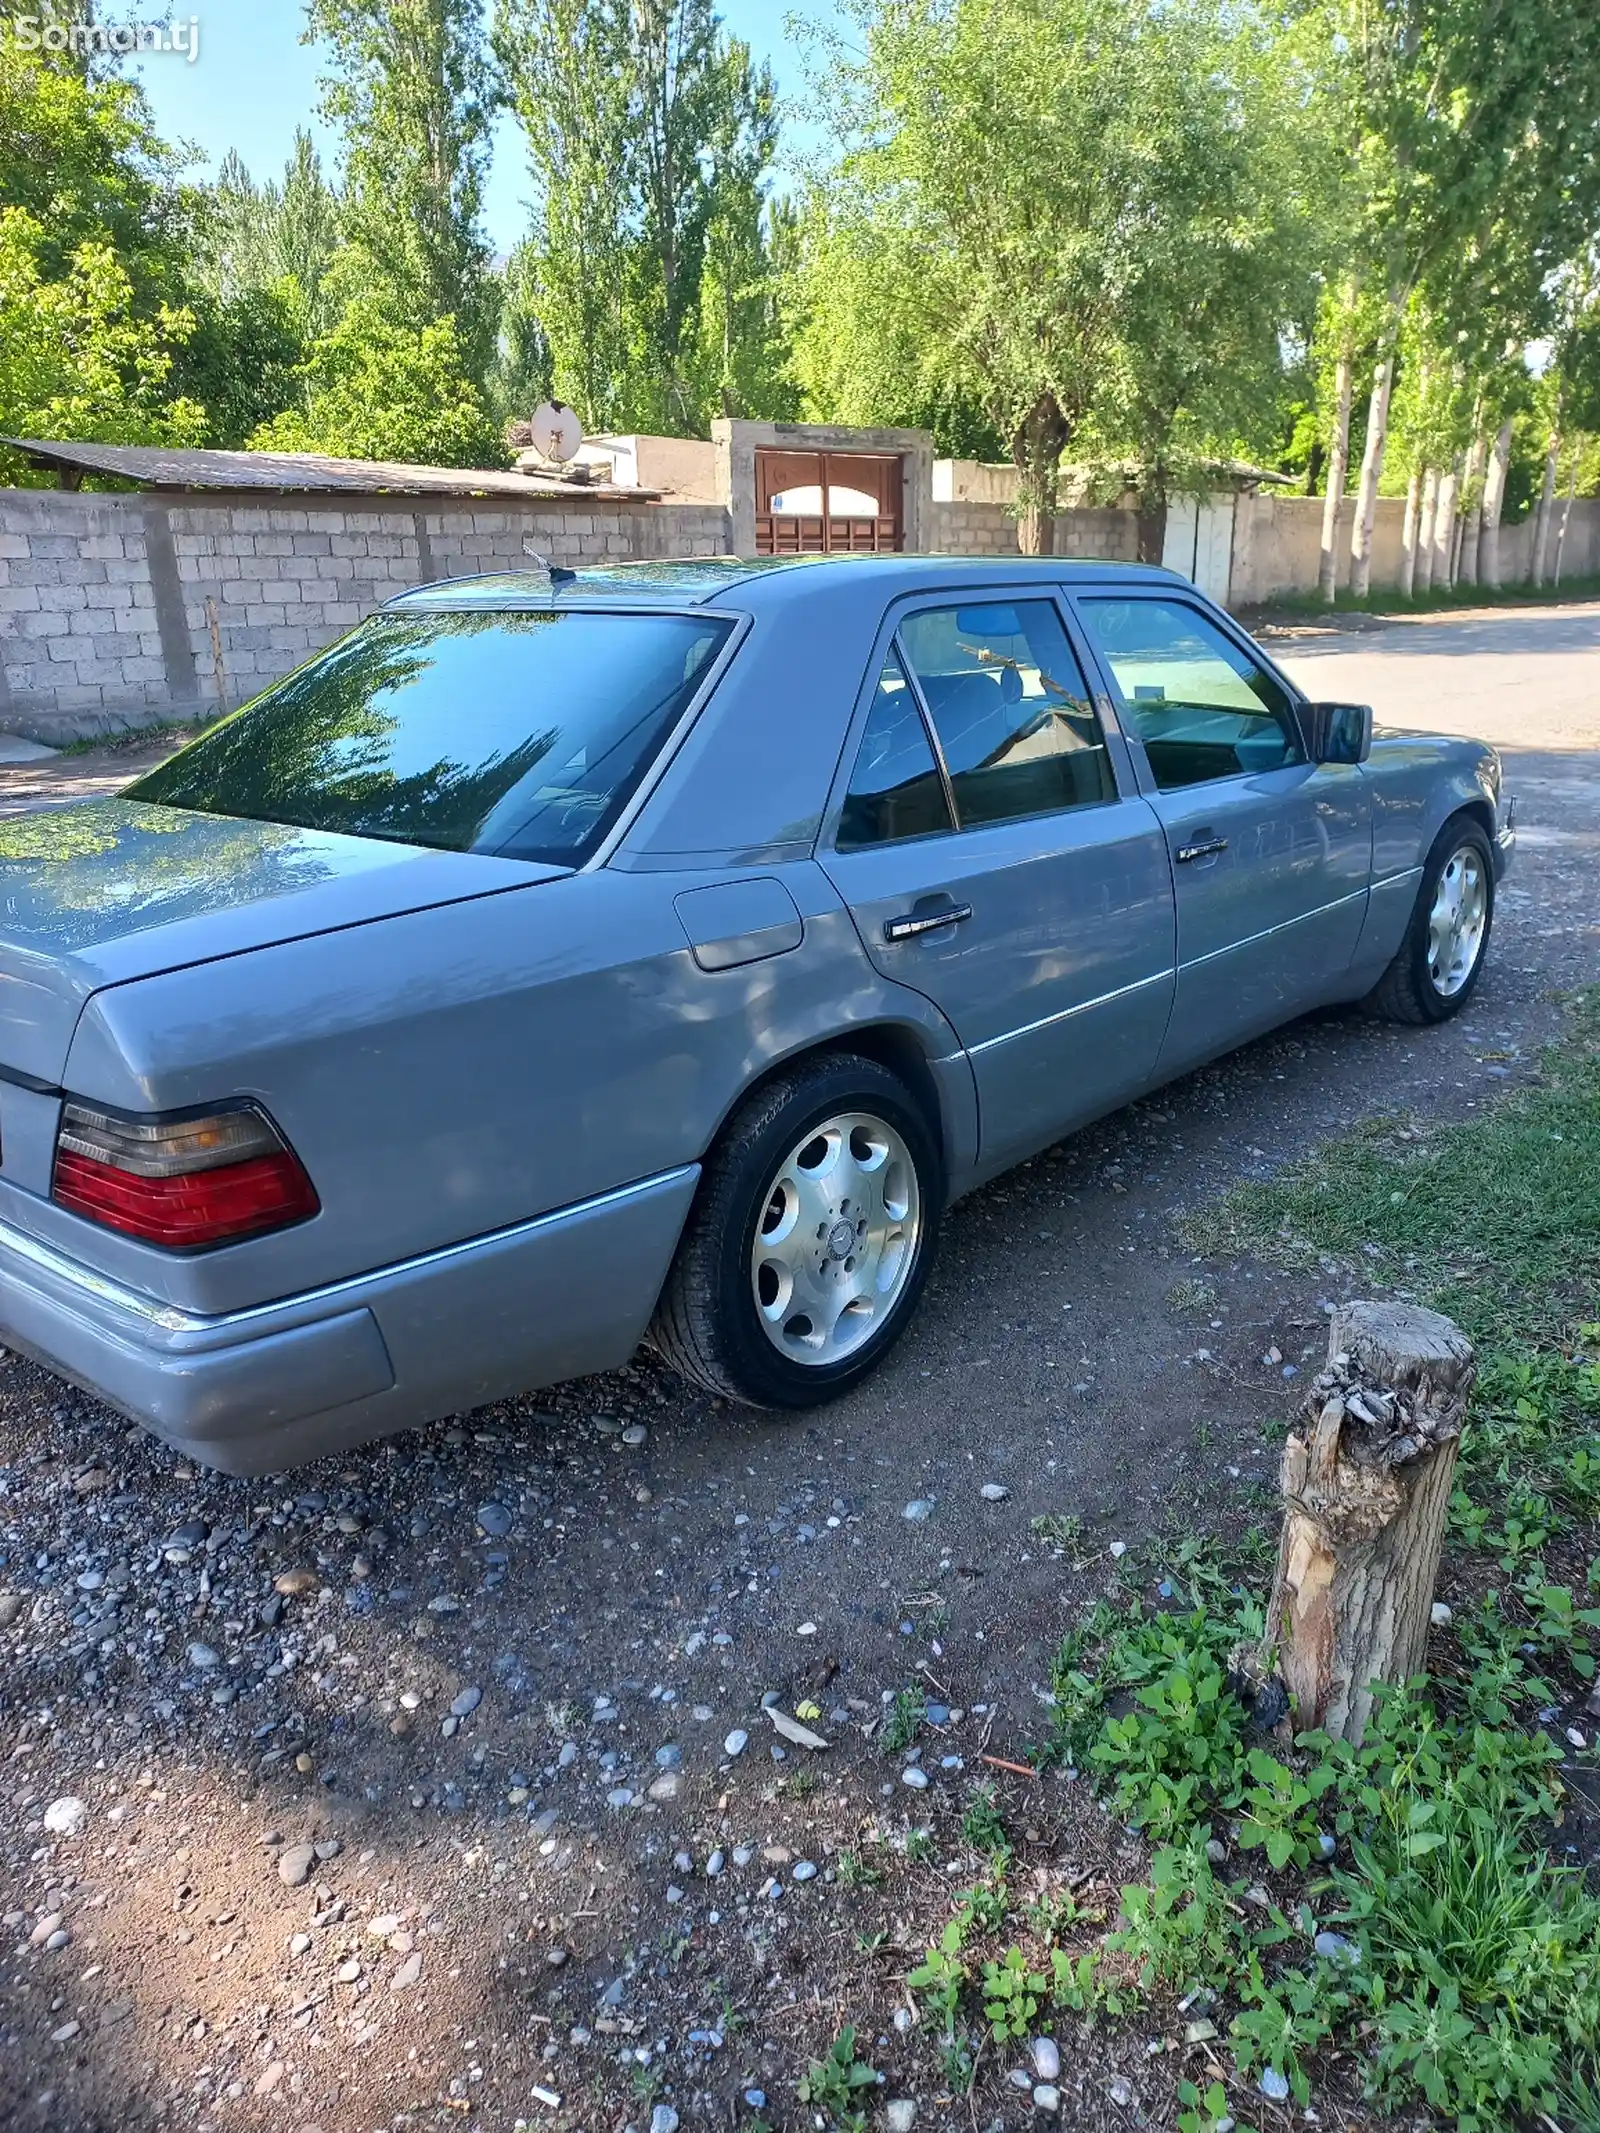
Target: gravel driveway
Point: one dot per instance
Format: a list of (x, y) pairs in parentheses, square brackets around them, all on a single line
[(432, 1784)]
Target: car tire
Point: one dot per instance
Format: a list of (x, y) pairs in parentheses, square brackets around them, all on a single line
[(1426, 982), (834, 1144)]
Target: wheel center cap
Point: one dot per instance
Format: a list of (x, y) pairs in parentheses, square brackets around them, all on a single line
[(841, 1239)]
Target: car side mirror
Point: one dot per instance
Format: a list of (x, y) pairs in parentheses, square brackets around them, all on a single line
[(1338, 733)]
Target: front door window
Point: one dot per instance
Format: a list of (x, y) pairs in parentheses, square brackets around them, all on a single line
[(1203, 708)]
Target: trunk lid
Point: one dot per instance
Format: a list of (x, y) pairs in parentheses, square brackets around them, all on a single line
[(117, 889)]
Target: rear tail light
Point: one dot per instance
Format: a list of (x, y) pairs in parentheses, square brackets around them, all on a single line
[(180, 1180)]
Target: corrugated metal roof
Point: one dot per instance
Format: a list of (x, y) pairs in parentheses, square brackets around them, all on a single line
[(158, 467)]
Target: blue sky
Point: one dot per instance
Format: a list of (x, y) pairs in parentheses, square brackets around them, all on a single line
[(254, 82)]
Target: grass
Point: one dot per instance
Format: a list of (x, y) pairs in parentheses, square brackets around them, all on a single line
[(1433, 602), (1393, 1907), (1496, 1220)]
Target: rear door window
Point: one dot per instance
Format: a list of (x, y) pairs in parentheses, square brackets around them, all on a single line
[(516, 733), (895, 789), (1011, 709)]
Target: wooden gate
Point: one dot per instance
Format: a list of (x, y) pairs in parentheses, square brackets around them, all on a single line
[(824, 503)]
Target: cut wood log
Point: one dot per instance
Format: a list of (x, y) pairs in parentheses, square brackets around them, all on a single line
[(1366, 1485)]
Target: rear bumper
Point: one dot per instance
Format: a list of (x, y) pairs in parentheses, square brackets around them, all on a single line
[(265, 1389)]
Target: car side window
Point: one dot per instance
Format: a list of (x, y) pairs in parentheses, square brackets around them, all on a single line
[(895, 789), (1203, 708), (1011, 709)]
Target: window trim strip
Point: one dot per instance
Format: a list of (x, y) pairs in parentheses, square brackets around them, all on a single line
[(928, 727)]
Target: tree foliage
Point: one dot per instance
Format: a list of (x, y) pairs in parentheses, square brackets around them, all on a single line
[(649, 139), (411, 87), (376, 388), (76, 359), (1055, 209)]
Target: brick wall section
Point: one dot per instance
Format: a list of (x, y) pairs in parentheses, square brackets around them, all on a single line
[(1109, 536), (103, 599)]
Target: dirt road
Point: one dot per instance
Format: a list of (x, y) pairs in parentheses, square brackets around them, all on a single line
[(505, 1677)]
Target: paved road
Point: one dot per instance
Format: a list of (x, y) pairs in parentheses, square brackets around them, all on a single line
[(642, 1596)]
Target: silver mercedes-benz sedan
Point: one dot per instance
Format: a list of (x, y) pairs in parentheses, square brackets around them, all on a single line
[(568, 959)]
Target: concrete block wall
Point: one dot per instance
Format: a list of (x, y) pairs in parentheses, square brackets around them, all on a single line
[(1277, 541), (104, 615), (977, 528)]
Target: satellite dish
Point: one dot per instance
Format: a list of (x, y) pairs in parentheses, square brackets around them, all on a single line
[(555, 432)]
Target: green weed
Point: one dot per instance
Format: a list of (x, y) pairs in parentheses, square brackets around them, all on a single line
[(832, 2086)]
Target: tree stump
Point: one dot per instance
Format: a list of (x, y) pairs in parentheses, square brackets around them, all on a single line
[(1366, 1484)]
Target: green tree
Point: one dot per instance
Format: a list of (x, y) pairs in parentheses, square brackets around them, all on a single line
[(76, 359), (742, 327), (412, 89), (1228, 281), (376, 388), (1023, 176), (649, 138), (522, 372), (256, 238), (82, 158), (565, 78), (1453, 109)]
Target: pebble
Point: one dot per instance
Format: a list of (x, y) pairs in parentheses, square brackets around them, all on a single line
[(1046, 2059), (1336, 1948), (915, 1778), (408, 1973), (1274, 2085), (66, 2033), (466, 1703), (1047, 2098), (1121, 2093), (294, 1865), (1119, 1549), (203, 1659), (756, 2099), (663, 2119), (715, 1864), (1442, 1615), (805, 1870), (294, 1584), (900, 2114), (737, 1741), (65, 1817), (494, 1520), (668, 1786), (1216, 1851), (299, 1943), (48, 1926), (1575, 1738), (994, 1492), (919, 1510), (633, 1436), (11, 1606), (384, 1924)]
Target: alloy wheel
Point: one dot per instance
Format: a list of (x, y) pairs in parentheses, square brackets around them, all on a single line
[(837, 1238), (1458, 921)]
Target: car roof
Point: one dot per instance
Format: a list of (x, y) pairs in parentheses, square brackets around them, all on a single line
[(759, 583)]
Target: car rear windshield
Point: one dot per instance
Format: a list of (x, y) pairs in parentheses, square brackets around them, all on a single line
[(521, 734)]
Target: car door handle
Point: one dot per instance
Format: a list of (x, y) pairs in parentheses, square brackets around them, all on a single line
[(1202, 848), (912, 923)]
